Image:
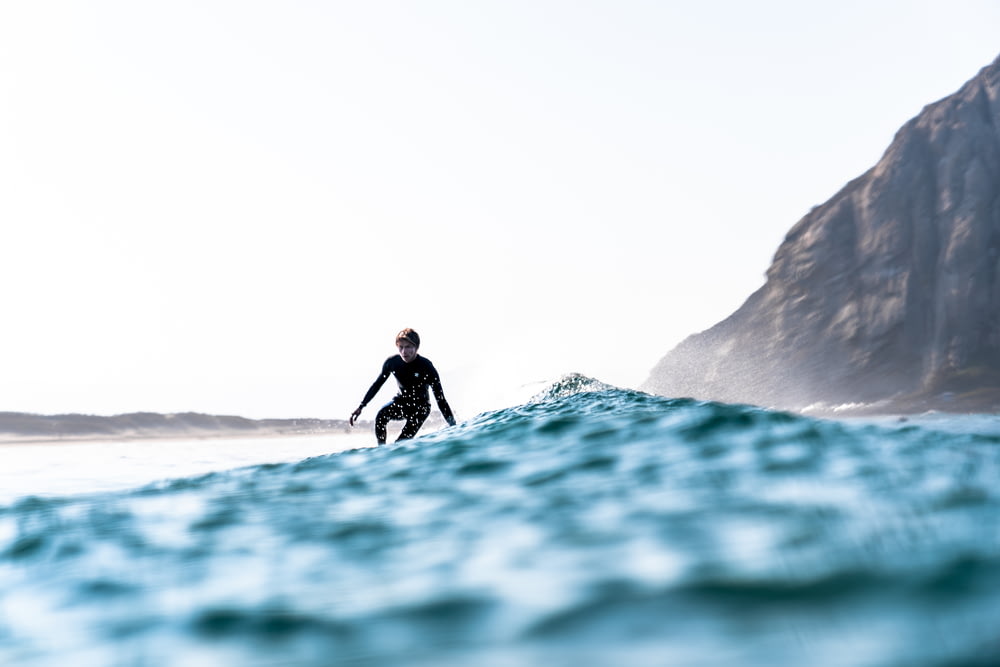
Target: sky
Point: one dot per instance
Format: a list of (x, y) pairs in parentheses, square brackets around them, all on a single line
[(232, 207)]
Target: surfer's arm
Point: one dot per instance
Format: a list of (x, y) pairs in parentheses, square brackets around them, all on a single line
[(379, 381), (442, 402)]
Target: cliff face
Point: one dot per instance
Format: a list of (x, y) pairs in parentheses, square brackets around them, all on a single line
[(890, 291)]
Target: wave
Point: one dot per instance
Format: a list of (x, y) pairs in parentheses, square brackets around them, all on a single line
[(591, 524)]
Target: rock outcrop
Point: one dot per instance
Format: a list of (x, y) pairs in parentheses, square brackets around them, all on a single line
[(888, 293)]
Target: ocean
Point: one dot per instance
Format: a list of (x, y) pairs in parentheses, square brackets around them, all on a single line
[(591, 525)]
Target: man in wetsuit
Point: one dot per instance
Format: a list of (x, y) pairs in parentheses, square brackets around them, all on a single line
[(414, 375)]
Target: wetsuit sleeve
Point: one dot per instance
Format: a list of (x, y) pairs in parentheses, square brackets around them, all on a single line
[(441, 400), (379, 381)]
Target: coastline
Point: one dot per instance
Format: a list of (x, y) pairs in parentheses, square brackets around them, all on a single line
[(18, 428), (26, 428), (69, 439), (980, 402)]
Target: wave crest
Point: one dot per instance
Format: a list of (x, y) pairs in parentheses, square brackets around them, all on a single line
[(568, 385)]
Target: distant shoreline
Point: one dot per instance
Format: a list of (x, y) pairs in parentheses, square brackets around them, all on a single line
[(22, 428), (980, 402), (26, 428)]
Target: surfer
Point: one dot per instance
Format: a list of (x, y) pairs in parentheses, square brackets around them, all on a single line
[(414, 375)]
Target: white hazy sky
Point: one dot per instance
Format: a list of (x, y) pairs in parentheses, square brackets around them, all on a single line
[(232, 206)]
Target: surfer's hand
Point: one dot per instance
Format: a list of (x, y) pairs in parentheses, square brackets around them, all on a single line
[(354, 416)]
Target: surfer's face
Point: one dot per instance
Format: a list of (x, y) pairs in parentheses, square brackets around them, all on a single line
[(407, 350)]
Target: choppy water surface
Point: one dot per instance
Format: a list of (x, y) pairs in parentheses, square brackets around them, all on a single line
[(590, 526)]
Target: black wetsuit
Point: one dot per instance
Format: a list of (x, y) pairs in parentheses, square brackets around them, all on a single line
[(412, 403)]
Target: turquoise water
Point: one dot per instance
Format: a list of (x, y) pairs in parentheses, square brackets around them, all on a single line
[(589, 526)]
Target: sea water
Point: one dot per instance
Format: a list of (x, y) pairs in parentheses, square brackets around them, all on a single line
[(589, 526)]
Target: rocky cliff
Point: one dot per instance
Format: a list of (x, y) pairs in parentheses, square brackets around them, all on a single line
[(888, 293)]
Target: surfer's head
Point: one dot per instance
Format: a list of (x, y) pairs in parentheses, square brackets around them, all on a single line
[(407, 342), (410, 335)]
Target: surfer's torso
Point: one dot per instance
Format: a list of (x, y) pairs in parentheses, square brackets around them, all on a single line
[(414, 378)]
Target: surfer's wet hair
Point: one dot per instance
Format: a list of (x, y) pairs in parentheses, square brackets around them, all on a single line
[(408, 335)]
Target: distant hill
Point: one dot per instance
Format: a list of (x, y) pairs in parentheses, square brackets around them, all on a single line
[(887, 294), (19, 426)]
